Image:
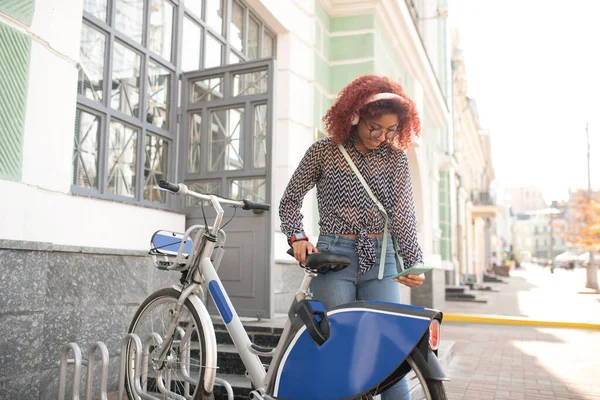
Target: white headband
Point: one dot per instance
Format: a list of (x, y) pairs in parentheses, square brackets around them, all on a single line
[(375, 97)]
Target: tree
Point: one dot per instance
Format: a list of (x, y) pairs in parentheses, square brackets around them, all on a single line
[(583, 228)]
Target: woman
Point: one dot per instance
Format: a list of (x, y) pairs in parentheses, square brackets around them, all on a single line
[(375, 121)]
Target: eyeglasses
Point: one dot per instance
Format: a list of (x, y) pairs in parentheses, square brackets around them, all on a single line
[(375, 133)]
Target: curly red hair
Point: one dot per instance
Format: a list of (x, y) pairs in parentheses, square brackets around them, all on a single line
[(351, 100)]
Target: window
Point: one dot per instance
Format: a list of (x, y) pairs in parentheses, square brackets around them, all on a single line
[(227, 150), (130, 64)]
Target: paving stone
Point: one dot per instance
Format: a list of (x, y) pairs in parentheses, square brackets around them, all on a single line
[(556, 363)]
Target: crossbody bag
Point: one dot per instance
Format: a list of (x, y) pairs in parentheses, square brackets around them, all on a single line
[(399, 261)]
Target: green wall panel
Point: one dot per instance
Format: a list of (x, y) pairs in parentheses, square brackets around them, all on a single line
[(14, 64), (444, 215), (351, 47), (387, 63), (326, 45), (445, 245), (321, 15), (317, 108), (352, 23), (321, 72), (18, 9), (343, 74), (318, 34), (327, 103)]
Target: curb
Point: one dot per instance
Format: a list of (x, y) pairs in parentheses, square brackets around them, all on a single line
[(521, 321)]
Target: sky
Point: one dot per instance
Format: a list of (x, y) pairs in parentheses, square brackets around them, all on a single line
[(533, 66)]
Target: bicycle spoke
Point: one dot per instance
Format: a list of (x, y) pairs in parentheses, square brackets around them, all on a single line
[(184, 363)]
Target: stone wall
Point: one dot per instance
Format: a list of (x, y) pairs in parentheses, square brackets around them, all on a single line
[(51, 295), (432, 293)]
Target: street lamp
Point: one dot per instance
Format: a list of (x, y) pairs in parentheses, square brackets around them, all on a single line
[(592, 271)]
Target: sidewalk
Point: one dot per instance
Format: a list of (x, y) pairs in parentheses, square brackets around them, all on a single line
[(521, 362), (533, 292)]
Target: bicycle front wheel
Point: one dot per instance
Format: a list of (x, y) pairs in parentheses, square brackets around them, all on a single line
[(182, 371)]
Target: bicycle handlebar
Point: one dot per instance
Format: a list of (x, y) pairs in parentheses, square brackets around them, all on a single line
[(183, 190), (250, 205), (173, 187)]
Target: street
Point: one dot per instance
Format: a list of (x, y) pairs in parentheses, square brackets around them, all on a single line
[(519, 362)]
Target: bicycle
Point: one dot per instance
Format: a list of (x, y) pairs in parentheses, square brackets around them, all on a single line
[(321, 354)]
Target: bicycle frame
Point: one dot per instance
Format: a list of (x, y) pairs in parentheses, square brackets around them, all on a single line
[(256, 371), (204, 276)]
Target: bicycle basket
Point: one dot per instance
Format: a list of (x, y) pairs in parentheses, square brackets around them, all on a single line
[(170, 248)]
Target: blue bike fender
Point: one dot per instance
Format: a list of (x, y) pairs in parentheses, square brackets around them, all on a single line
[(367, 344), (430, 367)]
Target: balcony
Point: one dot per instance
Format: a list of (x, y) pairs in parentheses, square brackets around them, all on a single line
[(482, 198), (484, 205)]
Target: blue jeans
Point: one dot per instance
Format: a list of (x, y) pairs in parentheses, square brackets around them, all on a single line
[(346, 286)]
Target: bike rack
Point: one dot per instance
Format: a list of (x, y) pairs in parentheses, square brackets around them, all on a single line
[(63, 370), (131, 339)]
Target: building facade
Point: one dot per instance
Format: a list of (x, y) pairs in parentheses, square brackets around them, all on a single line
[(536, 234), (475, 207), (100, 99), (523, 199), (502, 240)]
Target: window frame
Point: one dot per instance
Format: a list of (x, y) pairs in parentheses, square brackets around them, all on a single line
[(174, 66), (249, 102)]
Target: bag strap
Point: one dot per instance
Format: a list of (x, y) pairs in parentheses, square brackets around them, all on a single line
[(377, 203)]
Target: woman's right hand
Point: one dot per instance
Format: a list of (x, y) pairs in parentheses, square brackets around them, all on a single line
[(302, 248)]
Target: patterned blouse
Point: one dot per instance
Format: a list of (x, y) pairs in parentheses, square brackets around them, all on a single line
[(344, 205)]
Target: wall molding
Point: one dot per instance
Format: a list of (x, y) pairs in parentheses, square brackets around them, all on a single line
[(25, 245), (344, 8)]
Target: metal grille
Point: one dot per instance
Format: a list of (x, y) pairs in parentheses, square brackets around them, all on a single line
[(14, 61), (19, 9)]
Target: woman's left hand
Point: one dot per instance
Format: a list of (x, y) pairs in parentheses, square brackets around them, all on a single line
[(411, 281)]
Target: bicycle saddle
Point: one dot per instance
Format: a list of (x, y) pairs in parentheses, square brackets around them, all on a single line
[(325, 262)]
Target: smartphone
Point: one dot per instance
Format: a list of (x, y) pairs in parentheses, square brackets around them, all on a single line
[(416, 270)]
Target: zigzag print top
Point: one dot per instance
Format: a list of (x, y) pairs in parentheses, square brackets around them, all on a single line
[(344, 205)]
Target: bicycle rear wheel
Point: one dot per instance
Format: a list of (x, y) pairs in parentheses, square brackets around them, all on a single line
[(421, 388), (414, 387), (183, 370)]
